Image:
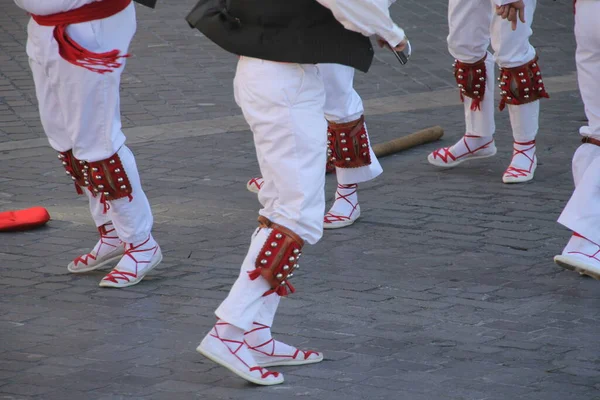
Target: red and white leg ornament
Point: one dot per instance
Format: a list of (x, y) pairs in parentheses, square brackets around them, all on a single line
[(278, 258), (470, 147), (345, 209), (225, 345), (108, 249), (581, 255), (138, 260), (269, 352), (523, 164)]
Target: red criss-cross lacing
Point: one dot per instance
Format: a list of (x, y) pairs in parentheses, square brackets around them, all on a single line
[(104, 234), (594, 256), (448, 154), (271, 352), (257, 182), (520, 172), (330, 217), (115, 274), (240, 345)]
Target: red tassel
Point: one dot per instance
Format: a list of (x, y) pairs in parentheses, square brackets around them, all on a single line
[(104, 203), (281, 290), (502, 104), (462, 98), (291, 287), (78, 189), (476, 105), (254, 274)]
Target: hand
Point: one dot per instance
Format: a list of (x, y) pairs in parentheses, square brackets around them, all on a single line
[(511, 11), (400, 47)]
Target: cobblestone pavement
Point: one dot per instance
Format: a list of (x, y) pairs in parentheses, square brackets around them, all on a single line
[(444, 290)]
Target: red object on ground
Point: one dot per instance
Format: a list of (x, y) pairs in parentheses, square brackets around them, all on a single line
[(20, 220)]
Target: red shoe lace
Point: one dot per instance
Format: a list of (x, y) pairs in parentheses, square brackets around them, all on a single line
[(447, 154), (306, 353), (329, 217), (257, 182), (583, 254), (234, 352), (104, 234), (520, 172), (115, 274)]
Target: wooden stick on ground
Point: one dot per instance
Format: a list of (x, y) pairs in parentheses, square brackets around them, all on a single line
[(409, 141)]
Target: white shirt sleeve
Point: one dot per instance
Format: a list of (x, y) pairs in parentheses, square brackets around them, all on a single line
[(49, 7), (369, 17), (504, 2)]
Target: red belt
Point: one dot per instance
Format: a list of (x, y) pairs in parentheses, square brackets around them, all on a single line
[(69, 49)]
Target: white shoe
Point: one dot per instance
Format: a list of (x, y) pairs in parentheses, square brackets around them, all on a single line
[(135, 264), (523, 164), (235, 356), (108, 249), (269, 352), (345, 210), (470, 147), (580, 255), (255, 184)]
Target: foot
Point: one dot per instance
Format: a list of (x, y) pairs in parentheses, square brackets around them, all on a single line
[(470, 147), (138, 260), (345, 209), (108, 249), (269, 352), (581, 255), (523, 164), (255, 184), (225, 345)]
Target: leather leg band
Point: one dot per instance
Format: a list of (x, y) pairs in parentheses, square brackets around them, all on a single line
[(76, 169), (278, 258), (348, 144), (108, 177), (521, 85), (590, 140), (471, 80)]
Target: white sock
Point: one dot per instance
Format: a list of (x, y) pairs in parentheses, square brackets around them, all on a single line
[(346, 200)]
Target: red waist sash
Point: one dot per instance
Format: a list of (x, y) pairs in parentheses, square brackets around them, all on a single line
[(69, 49)]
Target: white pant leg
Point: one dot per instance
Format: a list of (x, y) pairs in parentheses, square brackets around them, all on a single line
[(245, 299), (266, 314), (512, 49), (283, 104), (343, 104), (51, 115), (587, 33), (582, 214), (469, 37), (132, 219), (90, 122)]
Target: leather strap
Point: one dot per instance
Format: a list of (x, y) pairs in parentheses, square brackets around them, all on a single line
[(590, 140), (264, 222)]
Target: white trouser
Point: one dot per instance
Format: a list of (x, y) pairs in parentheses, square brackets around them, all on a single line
[(343, 104), (472, 25), (582, 213), (283, 104), (80, 111)]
